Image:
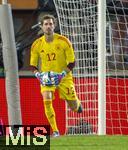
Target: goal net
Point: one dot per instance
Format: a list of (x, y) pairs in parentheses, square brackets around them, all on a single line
[(78, 21)]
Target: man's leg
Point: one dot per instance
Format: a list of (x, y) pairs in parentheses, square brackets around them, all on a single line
[(49, 110), (75, 105), (67, 92)]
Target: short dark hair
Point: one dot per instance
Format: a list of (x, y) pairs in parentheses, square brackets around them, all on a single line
[(48, 16)]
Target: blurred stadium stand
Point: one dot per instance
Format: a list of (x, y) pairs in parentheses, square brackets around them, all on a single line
[(28, 13)]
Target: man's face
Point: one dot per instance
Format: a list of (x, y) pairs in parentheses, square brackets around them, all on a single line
[(48, 26)]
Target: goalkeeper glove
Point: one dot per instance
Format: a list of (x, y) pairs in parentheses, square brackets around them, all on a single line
[(57, 77), (44, 78)]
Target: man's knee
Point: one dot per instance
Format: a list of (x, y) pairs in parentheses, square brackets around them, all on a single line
[(72, 105), (47, 95), (75, 106)]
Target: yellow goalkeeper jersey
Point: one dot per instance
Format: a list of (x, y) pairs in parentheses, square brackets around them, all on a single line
[(53, 56)]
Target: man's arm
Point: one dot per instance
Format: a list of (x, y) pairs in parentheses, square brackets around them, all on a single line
[(70, 58), (34, 69), (70, 66), (43, 77)]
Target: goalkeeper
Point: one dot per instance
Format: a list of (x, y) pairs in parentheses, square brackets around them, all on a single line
[(57, 60)]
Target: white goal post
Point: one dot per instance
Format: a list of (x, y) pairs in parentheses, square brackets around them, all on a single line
[(98, 31), (10, 64)]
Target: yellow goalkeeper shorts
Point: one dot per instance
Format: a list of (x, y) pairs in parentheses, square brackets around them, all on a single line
[(66, 89)]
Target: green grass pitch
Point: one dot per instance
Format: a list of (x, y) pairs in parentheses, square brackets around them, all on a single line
[(80, 142), (89, 142)]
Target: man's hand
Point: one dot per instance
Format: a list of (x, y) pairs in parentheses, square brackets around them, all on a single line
[(44, 78), (57, 77)]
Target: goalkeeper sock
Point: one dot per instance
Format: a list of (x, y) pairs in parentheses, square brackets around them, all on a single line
[(50, 114)]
